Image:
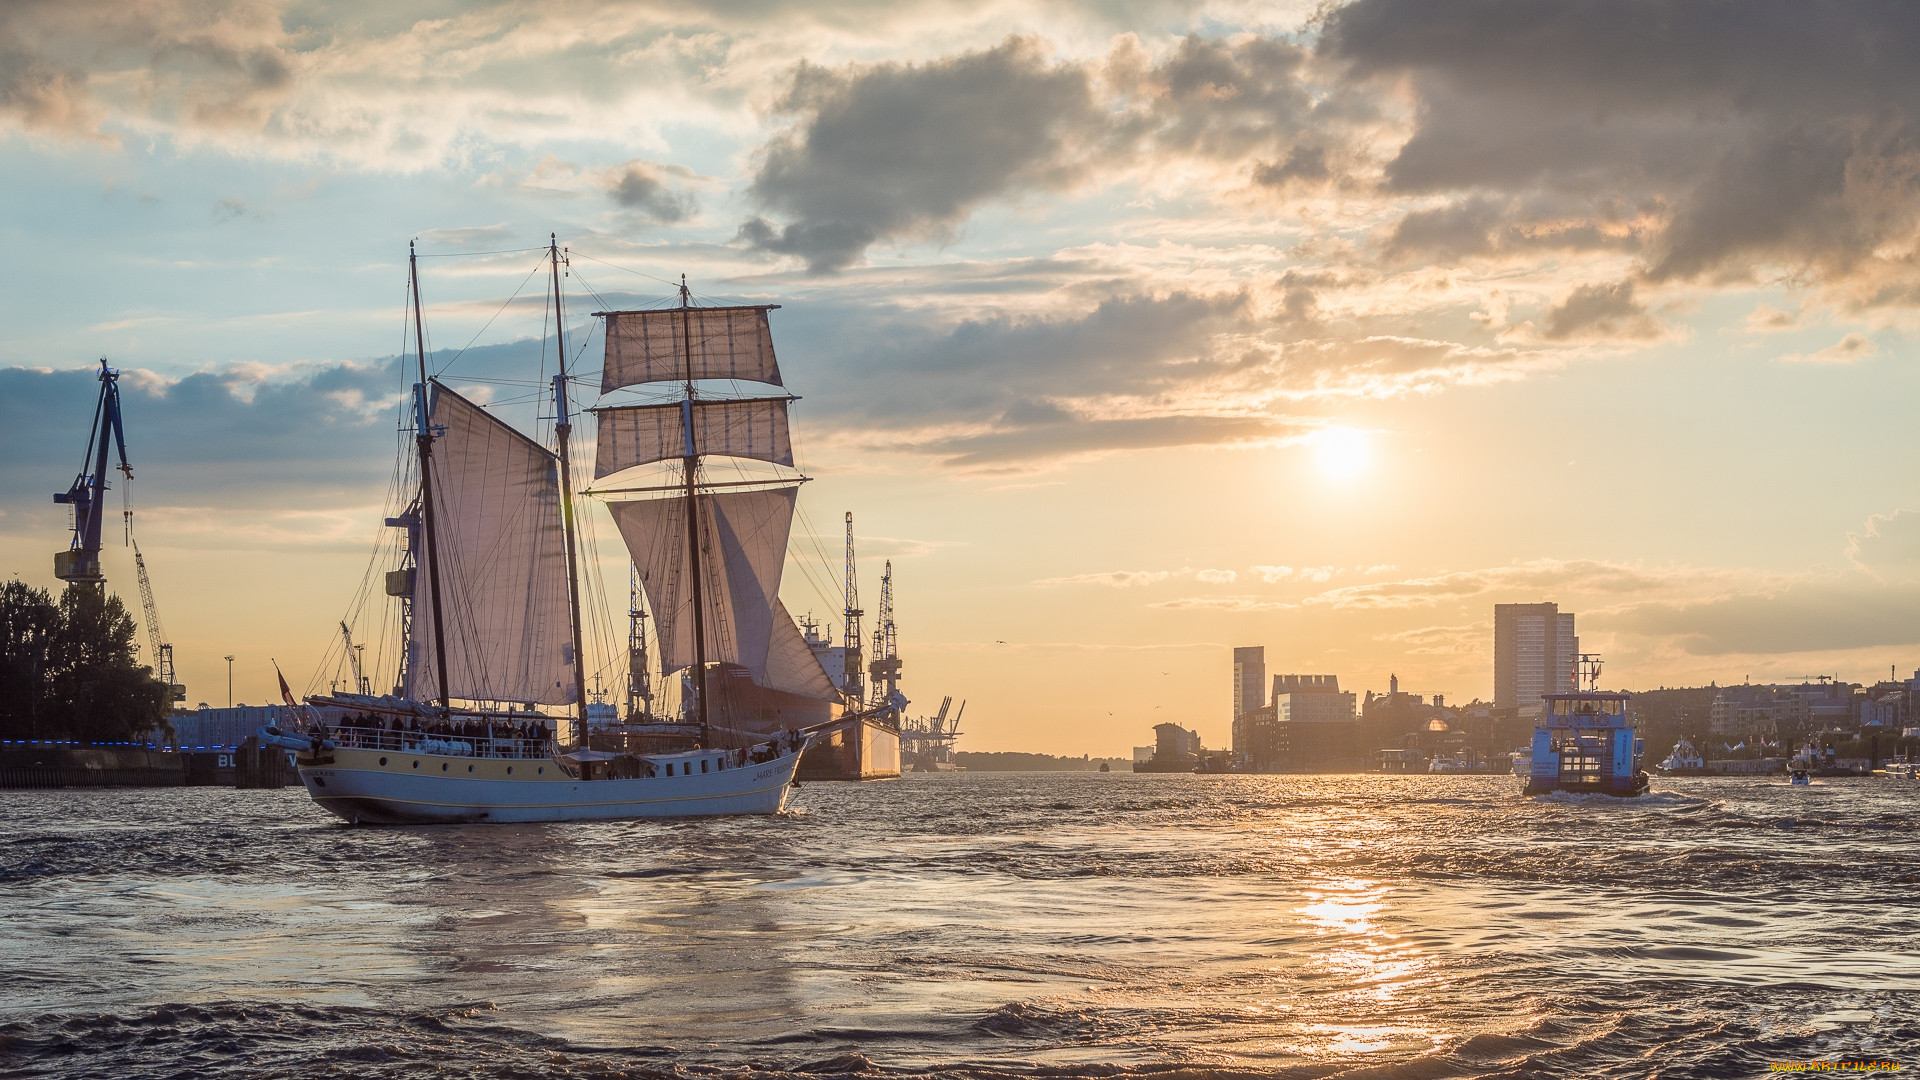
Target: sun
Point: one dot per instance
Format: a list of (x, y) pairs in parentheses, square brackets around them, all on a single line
[(1340, 453)]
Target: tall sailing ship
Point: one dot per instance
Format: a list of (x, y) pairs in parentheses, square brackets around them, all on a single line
[(491, 609)]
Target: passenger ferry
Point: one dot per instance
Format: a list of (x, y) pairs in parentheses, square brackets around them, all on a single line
[(1583, 742)]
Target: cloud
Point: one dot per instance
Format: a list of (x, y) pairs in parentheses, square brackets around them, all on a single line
[(244, 434), (65, 66), (1767, 319), (1006, 392), (1888, 547), (1736, 135), (1854, 346), (1570, 576), (1223, 603), (638, 187), (1825, 614), (1215, 577), (1118, 579), (1600, 310), (1470, 639), (908, 150)]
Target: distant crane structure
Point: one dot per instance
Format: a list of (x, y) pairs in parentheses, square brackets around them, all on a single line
[(926, 742), (885, 668), (361, 684), (855, 685), (79, 565), (162, 648)]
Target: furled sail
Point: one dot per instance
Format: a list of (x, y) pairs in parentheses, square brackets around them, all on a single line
[(740, 427), (673, 344), (503, 568), (743, 550)]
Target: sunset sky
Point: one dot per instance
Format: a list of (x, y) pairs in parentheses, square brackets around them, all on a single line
[(1130, 332)]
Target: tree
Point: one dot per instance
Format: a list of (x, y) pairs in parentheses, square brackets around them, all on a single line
[(30, 626), (68, 669)]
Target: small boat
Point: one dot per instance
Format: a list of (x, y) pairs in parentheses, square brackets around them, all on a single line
[(1683, 761), (1800, 769), (1583, 742)]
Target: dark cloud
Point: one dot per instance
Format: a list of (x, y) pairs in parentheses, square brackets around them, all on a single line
[(221, 437), (1816, 616), (1003, 391), (637, 185), (1780, 131), (1600, 310), (897, 150)]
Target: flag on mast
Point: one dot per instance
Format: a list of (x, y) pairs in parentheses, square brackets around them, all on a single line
[(286, 692)]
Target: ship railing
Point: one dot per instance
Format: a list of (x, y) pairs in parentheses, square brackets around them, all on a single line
[(427, 742)]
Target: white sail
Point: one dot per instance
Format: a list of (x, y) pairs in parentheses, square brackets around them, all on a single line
[(675, 344), (741, 427), (743, 548), (503, 564), (791, 665)]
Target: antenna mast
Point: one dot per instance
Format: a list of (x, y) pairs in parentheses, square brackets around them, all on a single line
[(855, 687), (562, 430)]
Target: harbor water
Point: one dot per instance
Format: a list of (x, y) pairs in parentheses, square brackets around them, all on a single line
[(1056, 924)]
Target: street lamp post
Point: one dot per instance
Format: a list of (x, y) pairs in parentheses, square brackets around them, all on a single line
[(229, 682)]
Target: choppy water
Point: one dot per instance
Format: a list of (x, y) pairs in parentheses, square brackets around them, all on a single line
[(1035, 925)]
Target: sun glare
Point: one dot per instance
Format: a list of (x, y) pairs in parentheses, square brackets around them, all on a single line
[(1341, 453)]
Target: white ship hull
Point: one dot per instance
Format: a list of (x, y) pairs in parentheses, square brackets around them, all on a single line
[(392, 787)]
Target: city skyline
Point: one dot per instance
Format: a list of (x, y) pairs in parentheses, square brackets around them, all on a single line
[(1193, 325)]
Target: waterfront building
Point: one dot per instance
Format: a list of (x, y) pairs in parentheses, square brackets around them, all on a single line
[(1310, 726), (1172, 742), (1534, 650)]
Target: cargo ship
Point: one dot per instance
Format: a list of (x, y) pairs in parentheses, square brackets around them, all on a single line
[(1584, 742)]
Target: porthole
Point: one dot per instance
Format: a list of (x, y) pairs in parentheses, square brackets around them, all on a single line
[(542, 770), (383, 761), (443, 766), (509, 770), (469, 768), (703, 764), (669, 770), (416, 764)]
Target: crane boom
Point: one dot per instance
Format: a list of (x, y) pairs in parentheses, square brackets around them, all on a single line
[(162, 649)]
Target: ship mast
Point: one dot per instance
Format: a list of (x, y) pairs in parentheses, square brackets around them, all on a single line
[(690, 463), (562, 429), (424, 440)]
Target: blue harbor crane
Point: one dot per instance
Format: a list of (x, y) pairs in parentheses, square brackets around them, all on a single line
[(80, 563)]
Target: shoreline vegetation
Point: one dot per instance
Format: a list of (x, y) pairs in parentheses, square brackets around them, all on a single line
[(69, 669)]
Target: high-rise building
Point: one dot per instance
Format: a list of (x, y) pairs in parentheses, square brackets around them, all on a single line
[(1249, 678), (1534, 652)]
